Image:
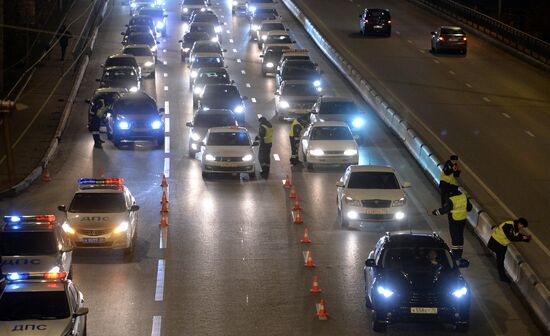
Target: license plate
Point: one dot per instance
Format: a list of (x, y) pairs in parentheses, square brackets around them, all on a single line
[(93, 240), (140, 129), (226, 164), (423, 310), (376, 211), (378, 27), (454, 40)]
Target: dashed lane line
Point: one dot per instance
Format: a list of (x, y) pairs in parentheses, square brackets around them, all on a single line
[(166, 108), (486, 99), (167, 167), (167, 144), (243, 72), (276, 157), (529, 134), (165, 74), (506, 115), (452, 72), (436, 61), (159, 289), (234, 50), (247, 85), (163, 241), (469, 85), (253, 99), (231, 41), (155, 331), (166, 125)]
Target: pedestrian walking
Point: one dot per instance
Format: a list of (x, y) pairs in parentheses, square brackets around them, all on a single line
[(502, 236), (447, 180), (296, 129), (97, 113), (265, 135), (64, 35), (456, 208)]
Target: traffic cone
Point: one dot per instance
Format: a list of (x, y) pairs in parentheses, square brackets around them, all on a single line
[(286, 183), (315, 288), (321, 312), (309, 260), (164, 199), (292, 193), (164, 184), (164, 208), (297, 203), (297, 216), (46, 175), (163, 219), (305, 240)]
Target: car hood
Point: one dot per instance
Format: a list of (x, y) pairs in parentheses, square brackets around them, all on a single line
[(228, 103), (121, 83), (348, 118), (29, 264), (96, 220), (422, 281), (39, 327), (201, 131), (333, 145), (228, 150), (142, 59), (300, 99), (382, 194), (137, 117)]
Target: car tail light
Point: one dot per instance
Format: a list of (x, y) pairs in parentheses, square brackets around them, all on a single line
[(55, 275), (389, 21), (441, 38), (464, 38), (366, 21)]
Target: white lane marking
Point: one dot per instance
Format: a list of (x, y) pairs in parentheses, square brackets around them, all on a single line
[(247, 85), (276, 157), (164, 50), (243, 72), (469, 85), (398, 32), (422, 51), (163, 238), (234, 50), (167, 167), (230, 40), (167, 144), (166, 125), (159, 290), (487, 99), (165, 62), (156, 325), (165, 74), (452, 72), (228, 31), (530, 134), (167, 108), (409, 41), (506, 115), (165, 88), (436, 61), (253, 99), (238, 60)]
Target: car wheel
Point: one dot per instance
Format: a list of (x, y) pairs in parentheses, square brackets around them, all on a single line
[(109, 134), (160, 141), (182, 57), (233, 12), (264, 73), (252, 175), (152, 75), (309, 166), (116, 140), (204, 175), (192, 153), (129, 251), (463, 52), (462, 327), (377, 326), (388, 34)]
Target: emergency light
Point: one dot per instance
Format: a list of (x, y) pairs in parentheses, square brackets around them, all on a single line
[(93, 181), (36, 276), (29, 219)]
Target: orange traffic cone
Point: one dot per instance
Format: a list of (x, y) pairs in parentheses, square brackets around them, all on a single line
[(286, 182), (297, 216), (309, 260), (164, 198), (321, 312), (297, 204), (163, 219), (315, 288), (164, 184), (46, 175), (305, 240), (292, 193), (164, 208)]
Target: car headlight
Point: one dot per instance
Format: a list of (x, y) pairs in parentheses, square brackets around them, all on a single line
[(351, 202), (197, 90), (194, 74), (317, 152), (319, 89), (185, 50), (269, 65), (122, 227), (239, 109), (353, 215), (160, 25), (358, 122), (350, 152), (154, 48), (255, 27), (185, 10), (156, 124), (252, 9), (195, 136), (399, 215), (148, 64), (399, 202), (384, 292), (123, 125), (133, 89), (214, 39), (264, 37), (67, 228), (235, 3), (247, 157), (317, 83), (209, 157), (203, 9), (218, 29), (458, 293), (284, 104)]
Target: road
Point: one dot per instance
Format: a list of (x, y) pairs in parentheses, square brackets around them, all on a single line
[(230, 262)]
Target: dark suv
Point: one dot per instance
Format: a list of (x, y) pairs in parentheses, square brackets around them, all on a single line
[(375, 21), (413, 277)]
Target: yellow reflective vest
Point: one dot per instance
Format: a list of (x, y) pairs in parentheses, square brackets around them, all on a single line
[(460, 204), (295, 122), (268, 135), (448, 178), (500, 236)]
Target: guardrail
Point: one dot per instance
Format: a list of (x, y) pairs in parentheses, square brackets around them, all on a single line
[(515, 38), (533, 290)]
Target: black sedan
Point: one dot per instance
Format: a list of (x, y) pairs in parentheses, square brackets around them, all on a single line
[(125, 77), (375, 21), (223, 96)]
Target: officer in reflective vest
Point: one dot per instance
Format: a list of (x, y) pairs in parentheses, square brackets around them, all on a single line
[(456, 208), (97, 113), (502, 236), (447, 180), (296, 129), (265, 135)]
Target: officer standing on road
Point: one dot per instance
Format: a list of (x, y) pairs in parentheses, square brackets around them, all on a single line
[(64, 36), (449, 173), (265, 134), (456, 207), (296, 129), (97, 113), (502, 236)]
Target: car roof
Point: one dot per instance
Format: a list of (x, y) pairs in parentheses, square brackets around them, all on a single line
[(207, 54), (226, 129), (277, 32), (36, 286), (119, 67), (330, 124), (132, 46), (451, 27), (29, 227), (326, 99), (213, 69), (102, 190), (122, 55), (214, 111), (294, 82), (137, 95), (271, 21), (420, 240), (110, 90), (371, 168)]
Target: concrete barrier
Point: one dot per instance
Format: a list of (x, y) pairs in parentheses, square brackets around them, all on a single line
[(512, 263)]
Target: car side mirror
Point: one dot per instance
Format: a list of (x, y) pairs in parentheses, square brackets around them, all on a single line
[(255, 143), (406, 184), (81, 311), (180, 41), (62, 208), (370, 263), (161, 110), (122, 33), (134, 207), (462, 263), (189, 124), (261, 56), (340, 184), (277, 94)]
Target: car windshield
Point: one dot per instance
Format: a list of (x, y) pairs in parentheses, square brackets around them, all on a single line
[(206, 47), (190, 38), (210, 18), (377, 13), (239, 138), (416, 259), (13, 243), (120, 61), (119, 73), (275, 52), (204, 120), (98, 202), (152, 12), (135, 106), (138, 29), (109, 98), (138, 51), (48, 305), (337, 108), (222, 92), (261, 11), (259, 17), (141, 21), (278, 39), (373, 180), (212, 77), (141, 38), (203, 62), (450, 31), (272, 26), (193, 2), (294, 71), (201, 28), (331, 133), (299, 90)]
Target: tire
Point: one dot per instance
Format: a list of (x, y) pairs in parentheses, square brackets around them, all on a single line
[(116, 141), (252, 175), (160, 141), (204, 175), (109, 135), (309, 166), (182, 58), (152, 75), (192, 153), (377, 326)]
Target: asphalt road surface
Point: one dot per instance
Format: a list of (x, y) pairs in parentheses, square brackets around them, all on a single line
[(230, 262)]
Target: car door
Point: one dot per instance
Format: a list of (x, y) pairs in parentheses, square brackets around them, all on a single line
[(75, 301), (340, 190), (304, 142)]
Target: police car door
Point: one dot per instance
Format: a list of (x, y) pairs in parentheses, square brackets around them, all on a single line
[(75, 301), (132, 215)]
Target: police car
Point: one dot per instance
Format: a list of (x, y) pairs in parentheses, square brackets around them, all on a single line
[(32, 245), (46, 305), (102, 214)]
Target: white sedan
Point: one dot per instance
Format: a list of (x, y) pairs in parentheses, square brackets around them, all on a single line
[(328, 143), (228, 150), (370, 193)]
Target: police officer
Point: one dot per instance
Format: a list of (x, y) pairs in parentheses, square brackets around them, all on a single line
[(296, 129), (502, 236), (456, 207), (265, 134), (447, 180), (97, 113)]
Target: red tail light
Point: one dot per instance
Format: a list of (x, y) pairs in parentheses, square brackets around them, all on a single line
[(55, 275)]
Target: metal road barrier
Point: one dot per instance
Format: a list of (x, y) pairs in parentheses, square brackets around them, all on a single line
[(535, 293), (515, 38)]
